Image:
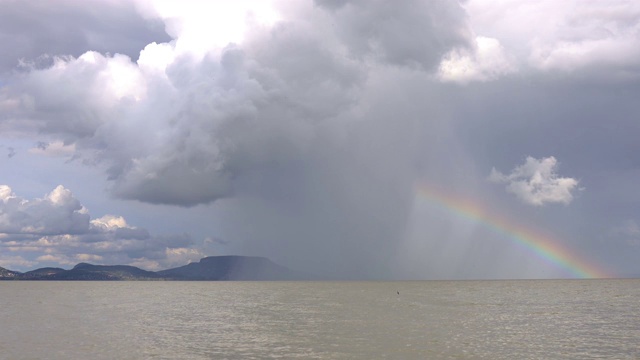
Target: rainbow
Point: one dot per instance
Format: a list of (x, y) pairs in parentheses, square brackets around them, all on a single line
[(542, 246)]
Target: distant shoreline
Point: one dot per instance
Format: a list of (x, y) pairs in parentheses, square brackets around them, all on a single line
[(214, 268)]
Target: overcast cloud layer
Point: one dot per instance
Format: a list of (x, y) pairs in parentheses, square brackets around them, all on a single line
[(300, 130)]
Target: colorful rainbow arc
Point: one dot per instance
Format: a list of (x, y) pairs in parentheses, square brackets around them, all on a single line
[(544, 247)]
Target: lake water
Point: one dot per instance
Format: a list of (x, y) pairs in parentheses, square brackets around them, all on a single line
[(530, 319)]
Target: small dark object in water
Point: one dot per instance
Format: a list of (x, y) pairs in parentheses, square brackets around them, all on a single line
[(398, 292)]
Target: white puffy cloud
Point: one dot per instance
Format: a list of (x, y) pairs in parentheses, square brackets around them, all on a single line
[(56, 213), (536, 182), (6, 193), (201, 27), (486, 61)]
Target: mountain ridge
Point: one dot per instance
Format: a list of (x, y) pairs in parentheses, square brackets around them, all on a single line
[(212, 268)]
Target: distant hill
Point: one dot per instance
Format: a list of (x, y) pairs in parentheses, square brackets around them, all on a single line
[(214, 268), (42, 272), (84, 271), (4, 273), (231, 268)]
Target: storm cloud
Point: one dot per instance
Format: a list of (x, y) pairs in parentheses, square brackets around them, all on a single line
[(302, 127)]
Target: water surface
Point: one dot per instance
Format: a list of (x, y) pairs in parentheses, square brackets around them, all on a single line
[(531, 319)]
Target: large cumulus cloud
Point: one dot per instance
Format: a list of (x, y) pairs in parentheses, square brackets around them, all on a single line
[(182, 126)]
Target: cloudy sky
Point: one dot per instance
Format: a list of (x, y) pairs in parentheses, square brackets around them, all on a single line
[(326, 135)]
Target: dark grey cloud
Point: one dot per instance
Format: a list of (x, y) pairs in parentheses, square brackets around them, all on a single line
[(415, 33), (342, 210), (185, 134)]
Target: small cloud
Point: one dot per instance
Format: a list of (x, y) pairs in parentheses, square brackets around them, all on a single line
[(486, 61), (6, 193), (53, 149), (109, 222), (210, 240), (59, 259), (89, 257), (536, 182)]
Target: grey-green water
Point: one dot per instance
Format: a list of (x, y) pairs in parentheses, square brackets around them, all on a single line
[(547, 319)]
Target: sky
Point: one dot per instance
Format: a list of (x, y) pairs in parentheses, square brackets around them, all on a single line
[(347, 138)]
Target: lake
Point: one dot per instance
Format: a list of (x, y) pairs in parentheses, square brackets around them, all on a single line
[(524, 319)]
